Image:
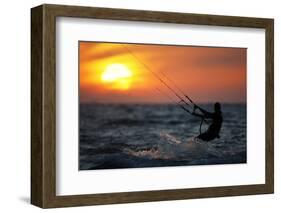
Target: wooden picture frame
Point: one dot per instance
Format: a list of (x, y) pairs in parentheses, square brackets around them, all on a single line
[(43, 105)]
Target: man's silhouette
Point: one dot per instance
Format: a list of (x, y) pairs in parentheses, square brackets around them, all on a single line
[(215, 127)]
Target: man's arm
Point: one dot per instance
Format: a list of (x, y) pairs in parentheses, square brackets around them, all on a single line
[(205, 112)]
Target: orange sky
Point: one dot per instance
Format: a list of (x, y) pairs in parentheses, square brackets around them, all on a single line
[(206, 74)]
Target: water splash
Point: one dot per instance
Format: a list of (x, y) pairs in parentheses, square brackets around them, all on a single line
[(170, 138), (152, 153)]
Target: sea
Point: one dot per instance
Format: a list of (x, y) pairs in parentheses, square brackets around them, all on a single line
[(115, 136)]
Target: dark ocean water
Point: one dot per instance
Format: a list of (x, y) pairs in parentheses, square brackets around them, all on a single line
[(135, 136)]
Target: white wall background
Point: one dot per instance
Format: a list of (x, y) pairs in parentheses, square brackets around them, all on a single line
[(15, 105)]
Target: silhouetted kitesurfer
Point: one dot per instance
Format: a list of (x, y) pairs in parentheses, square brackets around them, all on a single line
[(216, 119)]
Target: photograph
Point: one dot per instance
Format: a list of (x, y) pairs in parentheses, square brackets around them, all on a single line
[(152, 105), (133, 105)]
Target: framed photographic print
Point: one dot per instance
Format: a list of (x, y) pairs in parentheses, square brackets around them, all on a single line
[(137, 106)]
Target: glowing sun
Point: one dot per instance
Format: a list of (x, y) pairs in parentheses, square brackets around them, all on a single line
[(117, 76)]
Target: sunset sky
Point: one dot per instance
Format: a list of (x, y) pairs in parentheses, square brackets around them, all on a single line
[(117, 73)]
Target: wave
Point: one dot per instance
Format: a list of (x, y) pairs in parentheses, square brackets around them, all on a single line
[(170, 138), (152, 153), (131, 122)]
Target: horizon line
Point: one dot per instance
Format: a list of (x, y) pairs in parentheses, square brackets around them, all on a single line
[(156, 103)]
